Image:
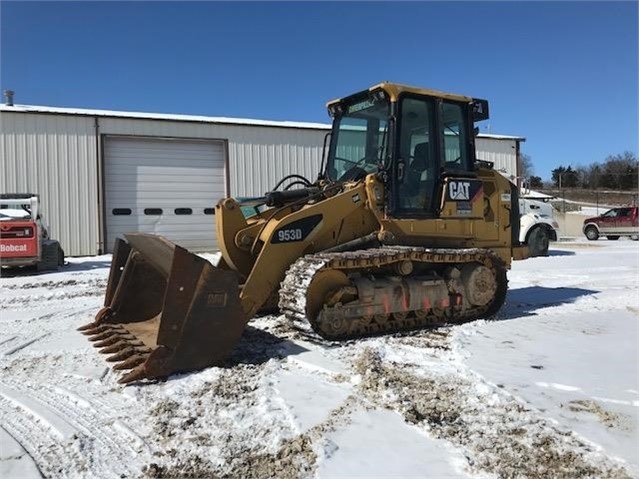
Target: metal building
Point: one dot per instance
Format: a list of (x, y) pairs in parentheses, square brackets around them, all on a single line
[(503, 151), (103, 173)]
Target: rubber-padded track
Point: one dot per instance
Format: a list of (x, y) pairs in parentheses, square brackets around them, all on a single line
[(294, 288)]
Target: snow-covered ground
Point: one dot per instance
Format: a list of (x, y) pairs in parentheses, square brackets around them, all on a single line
[(548, 390)]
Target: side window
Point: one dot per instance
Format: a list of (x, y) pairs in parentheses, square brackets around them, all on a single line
[(454, 137), (417, 150)]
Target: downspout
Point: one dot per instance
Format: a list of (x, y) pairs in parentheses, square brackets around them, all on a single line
[(517, 165), (100, 185)]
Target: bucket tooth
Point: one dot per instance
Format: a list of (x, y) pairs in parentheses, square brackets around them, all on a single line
[(115, 339), (90, 325), (134, 375), (115, 348), (124, 353), (104, 336), (131, 362), (105, 328), (96, 330)]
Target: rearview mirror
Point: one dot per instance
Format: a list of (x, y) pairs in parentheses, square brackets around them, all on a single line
[(480, 109)]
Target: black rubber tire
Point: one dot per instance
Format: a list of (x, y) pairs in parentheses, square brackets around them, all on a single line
[(50, 257), (591, 233), (538, 242), (612, 237), (60, 256)]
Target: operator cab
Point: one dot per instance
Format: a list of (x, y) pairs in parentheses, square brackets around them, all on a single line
[(414, 138)]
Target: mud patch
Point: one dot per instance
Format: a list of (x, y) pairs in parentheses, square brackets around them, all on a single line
[(189, 467), (234, 425), (607, 418), (498, 434), (294, 459), (438, 338)]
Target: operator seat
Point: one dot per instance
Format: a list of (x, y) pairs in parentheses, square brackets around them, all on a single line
[(416, 167), (420, 158), (419, 184)]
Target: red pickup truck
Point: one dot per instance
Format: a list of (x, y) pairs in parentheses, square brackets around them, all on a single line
[(622, 221)]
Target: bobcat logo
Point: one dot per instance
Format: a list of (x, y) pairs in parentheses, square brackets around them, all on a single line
[(459, 190)]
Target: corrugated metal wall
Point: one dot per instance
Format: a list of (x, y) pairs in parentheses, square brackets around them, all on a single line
[(259, 156), (54, 156), (502, 152)]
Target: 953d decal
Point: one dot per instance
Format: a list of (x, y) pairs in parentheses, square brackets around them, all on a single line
[(297, 230)]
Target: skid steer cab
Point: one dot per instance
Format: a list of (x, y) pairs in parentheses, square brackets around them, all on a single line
[(24, 238), (402, 229)]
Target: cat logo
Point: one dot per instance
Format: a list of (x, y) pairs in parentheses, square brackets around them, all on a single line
[(459, 190)]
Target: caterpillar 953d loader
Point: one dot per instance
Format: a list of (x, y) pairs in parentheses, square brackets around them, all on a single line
[(403, 228)]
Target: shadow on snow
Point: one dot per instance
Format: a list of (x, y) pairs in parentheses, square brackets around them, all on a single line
[(525, 301), (561, 252)]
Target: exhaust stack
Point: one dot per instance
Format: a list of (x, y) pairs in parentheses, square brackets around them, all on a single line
[(8, 97)]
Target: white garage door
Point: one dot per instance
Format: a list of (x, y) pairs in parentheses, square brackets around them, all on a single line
[(163, 186)]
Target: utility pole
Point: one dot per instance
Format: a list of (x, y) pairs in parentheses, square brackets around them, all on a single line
[(563, 199)]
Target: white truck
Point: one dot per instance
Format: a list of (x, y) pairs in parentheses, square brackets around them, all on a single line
[(537, 226)]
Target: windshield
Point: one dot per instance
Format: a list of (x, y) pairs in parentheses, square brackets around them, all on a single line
[(359, 141)]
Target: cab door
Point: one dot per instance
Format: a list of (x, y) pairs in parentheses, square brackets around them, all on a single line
[(417, 166), (623, 221), (607, 222)]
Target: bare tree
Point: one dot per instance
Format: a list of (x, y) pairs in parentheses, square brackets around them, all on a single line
[(526, 168), (621, 170)]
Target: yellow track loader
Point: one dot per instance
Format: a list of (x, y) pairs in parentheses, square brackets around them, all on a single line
[(403, 229)]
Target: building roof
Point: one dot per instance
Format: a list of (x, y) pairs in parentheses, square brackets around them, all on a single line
[(161, 116), (501, 137), (536, 195), (190, 118)]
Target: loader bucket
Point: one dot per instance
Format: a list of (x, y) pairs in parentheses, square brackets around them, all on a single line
[(165, 310)]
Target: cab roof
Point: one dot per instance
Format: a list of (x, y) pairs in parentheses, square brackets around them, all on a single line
[(396, 89)]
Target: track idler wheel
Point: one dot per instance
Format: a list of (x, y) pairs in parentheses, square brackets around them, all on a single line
[(480, 284)]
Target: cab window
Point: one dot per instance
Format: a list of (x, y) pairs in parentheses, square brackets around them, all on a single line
[(454, 137), (419, 165), (359, 139)]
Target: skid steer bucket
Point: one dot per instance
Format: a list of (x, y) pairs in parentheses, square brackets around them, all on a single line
[(165, 310)]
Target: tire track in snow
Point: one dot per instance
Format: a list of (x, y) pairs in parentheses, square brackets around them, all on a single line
[(106, 442), (24, 302), (19, 336), (19, 458), (39, 293), (17, 343), (40, 441)]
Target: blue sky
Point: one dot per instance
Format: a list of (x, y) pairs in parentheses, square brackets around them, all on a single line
[(561, 74)]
